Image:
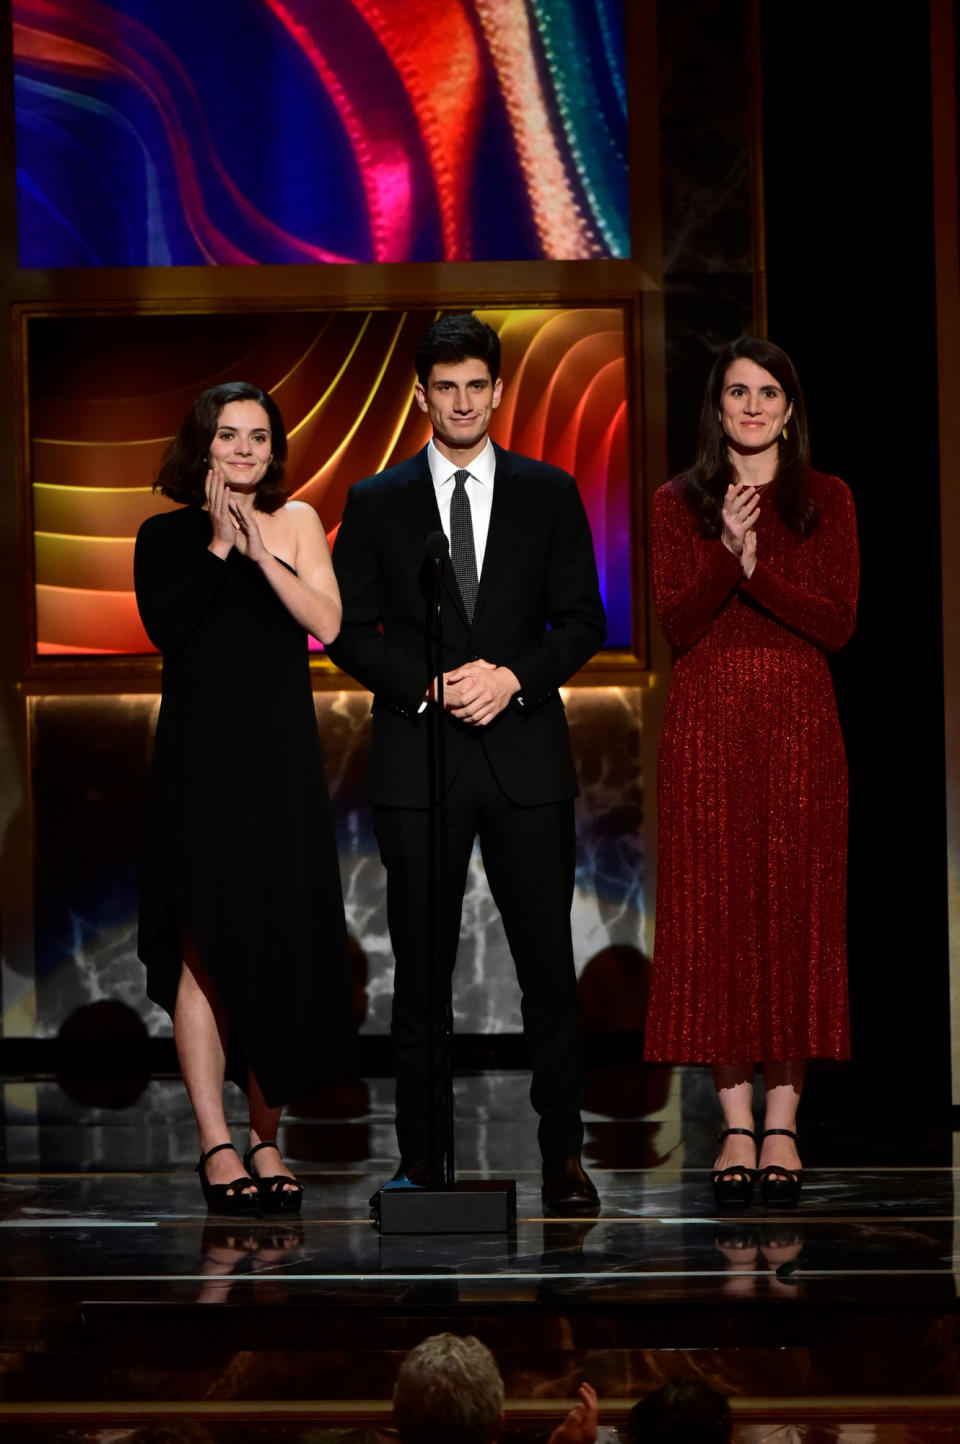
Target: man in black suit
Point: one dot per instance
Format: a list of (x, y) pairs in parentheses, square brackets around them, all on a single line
[(521, 612)]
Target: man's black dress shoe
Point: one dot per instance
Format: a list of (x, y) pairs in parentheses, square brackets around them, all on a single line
[(567, 1190), (419, 1173)]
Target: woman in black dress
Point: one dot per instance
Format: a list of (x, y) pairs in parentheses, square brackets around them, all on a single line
[(241, 916)]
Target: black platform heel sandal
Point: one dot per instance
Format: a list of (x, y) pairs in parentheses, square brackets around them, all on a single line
[(779, 1187), (278, 1193), (234, 1198), (733, 1186)]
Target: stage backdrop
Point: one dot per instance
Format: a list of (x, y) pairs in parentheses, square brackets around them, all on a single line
[(190, 180), (102, 409), (238, 132), (90, 758)]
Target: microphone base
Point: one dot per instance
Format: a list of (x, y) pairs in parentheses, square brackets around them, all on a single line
[(481, 1206)]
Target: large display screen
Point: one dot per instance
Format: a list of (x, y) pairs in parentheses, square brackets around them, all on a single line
[(105, 394), (245, 132)]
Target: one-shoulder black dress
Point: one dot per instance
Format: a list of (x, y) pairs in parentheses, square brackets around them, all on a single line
[(239, 850)]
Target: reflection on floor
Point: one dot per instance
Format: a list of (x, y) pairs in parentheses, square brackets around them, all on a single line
[(836, 1322)]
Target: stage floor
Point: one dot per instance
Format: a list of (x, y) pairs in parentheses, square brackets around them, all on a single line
[(845, 1309)]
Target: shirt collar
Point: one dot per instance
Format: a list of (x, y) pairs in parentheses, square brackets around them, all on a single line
[(482, 467)]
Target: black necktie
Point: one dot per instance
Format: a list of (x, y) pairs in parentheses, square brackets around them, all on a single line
[(463, 553)]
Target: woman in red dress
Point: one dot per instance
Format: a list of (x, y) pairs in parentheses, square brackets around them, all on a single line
[(755, 577)]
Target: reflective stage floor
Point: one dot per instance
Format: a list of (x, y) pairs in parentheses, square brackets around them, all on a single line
[(123, 1303)]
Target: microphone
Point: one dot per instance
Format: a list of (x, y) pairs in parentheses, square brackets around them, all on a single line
[(436, 547)]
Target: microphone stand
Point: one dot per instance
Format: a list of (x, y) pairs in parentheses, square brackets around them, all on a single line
[(440, 985), (484, 1206)]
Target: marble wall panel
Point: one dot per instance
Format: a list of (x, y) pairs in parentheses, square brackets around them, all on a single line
[(89, 768), (707, 146), (705, 88)]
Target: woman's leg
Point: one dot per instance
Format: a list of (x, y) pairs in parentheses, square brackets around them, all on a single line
[(734, 1085), (200, 1032), (784, 1084), (220, 1258), (264, 1122)]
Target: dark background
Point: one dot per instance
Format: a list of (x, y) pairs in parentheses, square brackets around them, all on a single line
[(850, 254), (830, 105)]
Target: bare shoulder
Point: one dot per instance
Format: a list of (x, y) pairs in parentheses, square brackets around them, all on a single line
[(305, 529), (299, 516)]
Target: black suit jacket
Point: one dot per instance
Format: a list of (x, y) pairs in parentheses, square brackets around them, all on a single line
[(538, 612)]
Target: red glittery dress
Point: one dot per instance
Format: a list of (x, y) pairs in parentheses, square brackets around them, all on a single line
[(750, 953)]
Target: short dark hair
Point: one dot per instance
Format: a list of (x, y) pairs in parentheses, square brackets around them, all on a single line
[(711, 473), (185, 462), (460, 337), (685, 1411), (448, 1391)]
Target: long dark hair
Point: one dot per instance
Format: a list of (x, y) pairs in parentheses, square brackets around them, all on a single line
[(712, 472), (185, 462)]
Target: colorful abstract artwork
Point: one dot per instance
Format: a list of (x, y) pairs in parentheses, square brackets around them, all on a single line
[(102, 408), (245, 132)]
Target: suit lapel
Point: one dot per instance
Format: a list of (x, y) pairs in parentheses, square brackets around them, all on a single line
[(426, 516), (502, 532)]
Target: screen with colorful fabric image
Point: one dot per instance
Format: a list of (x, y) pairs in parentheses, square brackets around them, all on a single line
[(103, 404), (271, 132)]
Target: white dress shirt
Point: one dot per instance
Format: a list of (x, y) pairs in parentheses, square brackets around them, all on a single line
[(479, 487)]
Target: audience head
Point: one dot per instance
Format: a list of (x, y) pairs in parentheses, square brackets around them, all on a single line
[(685, 1411), (176, 1431), (448, 1391)]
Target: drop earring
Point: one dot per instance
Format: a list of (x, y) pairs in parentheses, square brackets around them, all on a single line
[(783, 434)]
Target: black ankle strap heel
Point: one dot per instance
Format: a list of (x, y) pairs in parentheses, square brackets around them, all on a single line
[(278, 1193), (779, 1187), (236, 1198), (733, 1186)]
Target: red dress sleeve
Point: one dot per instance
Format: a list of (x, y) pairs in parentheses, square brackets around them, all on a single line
[(693, 576), (826, 612)]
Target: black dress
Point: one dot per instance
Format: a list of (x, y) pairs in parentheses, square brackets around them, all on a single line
[(240, 851)]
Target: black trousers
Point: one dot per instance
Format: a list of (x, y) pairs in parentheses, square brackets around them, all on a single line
[(529, 856)]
